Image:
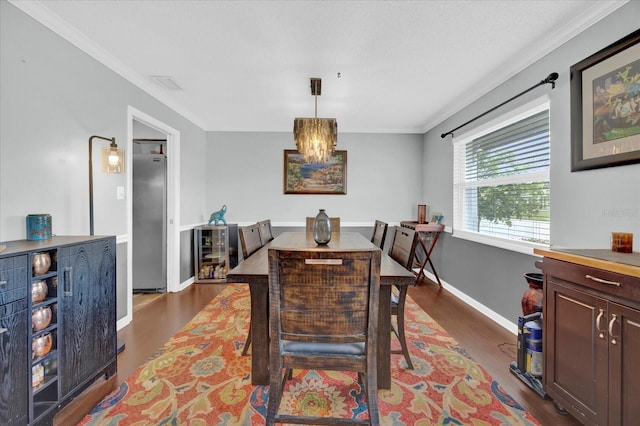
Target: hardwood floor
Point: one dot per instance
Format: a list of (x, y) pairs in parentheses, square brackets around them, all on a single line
[(142, 300), (151, 327), (488, 343)]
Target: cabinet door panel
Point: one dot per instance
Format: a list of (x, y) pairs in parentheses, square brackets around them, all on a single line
[(14, 363), (88, 312), (624, 365), (576, 365)]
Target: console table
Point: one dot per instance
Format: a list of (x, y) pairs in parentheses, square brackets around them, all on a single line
[(428, 234)]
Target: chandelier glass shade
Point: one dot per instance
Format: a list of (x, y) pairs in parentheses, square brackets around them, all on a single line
[(316, 138)]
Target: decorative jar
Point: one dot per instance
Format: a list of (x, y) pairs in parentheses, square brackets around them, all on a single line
[(41, 345), (41, 318), (533, 296), (39, 291), (322, 228), (41, 263)]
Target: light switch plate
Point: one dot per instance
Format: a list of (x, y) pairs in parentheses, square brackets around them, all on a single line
[(120, 193)]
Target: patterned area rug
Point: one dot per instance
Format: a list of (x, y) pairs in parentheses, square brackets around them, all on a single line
[(199, 378)]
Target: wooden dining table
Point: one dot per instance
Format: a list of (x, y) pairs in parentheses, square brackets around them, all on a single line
[(255, 272)]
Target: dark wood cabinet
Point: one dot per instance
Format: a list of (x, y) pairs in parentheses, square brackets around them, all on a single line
[(14, 351), (592, 340), (79, 330), (624, 365), (576, 352), (88, 313)]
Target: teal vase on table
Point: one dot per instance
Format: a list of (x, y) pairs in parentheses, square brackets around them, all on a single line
[(322, 228)]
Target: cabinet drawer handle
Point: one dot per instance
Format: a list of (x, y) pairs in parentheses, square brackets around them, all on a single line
[(613, 320), (3, 330), (3, 282), (601, 281), (68, 281), (598, 318)]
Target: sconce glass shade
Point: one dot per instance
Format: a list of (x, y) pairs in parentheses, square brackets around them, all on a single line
[(316, 138), (112, 160)]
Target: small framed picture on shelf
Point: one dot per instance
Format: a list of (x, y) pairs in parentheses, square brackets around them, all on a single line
[(436, 217)]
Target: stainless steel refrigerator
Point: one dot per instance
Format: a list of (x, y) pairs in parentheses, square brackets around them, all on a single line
[(149, 223)]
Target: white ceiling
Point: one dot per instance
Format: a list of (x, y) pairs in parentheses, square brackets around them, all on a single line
[(245, 65)]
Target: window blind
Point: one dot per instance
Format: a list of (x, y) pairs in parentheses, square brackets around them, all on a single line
[(501, 181)]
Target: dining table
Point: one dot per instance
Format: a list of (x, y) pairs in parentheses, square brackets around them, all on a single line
[(255, 271)]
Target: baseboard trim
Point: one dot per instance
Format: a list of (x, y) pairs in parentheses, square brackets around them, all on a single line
[(484, 310)]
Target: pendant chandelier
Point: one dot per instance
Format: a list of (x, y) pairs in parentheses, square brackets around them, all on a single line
[(316, 138)]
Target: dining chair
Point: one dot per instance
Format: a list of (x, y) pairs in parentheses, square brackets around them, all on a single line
[(379, 233), (249, 239), (264, 226), (402, 250), (315, 329), (335, 224), (250, 243)]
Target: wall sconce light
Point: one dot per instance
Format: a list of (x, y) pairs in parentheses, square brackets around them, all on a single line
[(112, 162)]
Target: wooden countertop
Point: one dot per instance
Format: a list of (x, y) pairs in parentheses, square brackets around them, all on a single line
[(21, 246), (622, 263)]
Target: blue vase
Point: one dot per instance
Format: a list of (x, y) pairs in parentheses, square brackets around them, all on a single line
[(322, 228)]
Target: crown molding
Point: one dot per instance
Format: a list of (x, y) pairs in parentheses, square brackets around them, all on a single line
[(42, 14), (46, 17), (598, 11)]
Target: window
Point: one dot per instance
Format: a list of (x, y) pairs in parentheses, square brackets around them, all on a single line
[(501, 181)]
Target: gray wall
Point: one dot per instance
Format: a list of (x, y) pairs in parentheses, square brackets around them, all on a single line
[(53, 97), (245, 172), (585, 206)]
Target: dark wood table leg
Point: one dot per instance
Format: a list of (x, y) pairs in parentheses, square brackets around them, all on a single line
[(259, 333), (384, 338)]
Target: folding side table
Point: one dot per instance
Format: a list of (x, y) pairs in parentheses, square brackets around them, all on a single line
[(428, 234)]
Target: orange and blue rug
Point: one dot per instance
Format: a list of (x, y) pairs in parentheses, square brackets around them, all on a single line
[(199, 378)]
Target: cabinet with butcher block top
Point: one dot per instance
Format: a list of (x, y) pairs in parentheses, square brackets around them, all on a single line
[(592, 334)]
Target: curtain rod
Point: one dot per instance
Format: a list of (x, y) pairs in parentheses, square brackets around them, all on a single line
[(551, 79)]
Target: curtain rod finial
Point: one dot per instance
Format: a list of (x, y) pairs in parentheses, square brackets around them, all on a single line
[(551, 79)]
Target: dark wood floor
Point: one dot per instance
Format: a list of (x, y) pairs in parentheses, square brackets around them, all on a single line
[(489, 344)]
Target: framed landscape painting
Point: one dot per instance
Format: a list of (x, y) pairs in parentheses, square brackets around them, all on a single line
[(605, 106), (303, 178)]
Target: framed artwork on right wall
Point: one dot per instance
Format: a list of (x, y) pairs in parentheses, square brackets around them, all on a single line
[(605, 106)]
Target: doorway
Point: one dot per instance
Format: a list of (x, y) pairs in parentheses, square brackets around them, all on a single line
[(172, 151), (149, 195)]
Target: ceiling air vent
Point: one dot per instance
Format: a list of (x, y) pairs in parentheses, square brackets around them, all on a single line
[(166, 82)]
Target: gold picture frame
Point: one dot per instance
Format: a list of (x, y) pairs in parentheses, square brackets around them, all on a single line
[(303, 178)]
